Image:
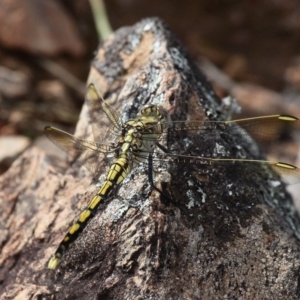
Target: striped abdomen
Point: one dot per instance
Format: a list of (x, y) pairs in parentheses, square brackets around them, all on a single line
[(117, 173)]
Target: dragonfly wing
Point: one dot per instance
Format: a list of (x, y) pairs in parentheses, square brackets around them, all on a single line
[(261, 129), (267, 131), (289, 174), (276, 135), (89, 153), (268, 127), (106, 122)]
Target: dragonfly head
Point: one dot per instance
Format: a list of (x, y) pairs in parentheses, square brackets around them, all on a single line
[(153, 115)]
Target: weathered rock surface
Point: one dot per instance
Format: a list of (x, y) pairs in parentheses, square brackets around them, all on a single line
[(230, 235)]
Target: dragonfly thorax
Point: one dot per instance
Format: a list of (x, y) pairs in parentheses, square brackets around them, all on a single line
[(139, 135)]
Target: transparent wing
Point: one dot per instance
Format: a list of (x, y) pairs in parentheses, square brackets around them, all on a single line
[(106, 122), (267, 131), (289, 174), (268, 126), (88, 153), (262, 129)]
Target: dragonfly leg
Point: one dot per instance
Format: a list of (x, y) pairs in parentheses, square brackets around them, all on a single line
[(162, 148), (150, 178)]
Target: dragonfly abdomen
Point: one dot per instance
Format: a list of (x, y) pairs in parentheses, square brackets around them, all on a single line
[(116, 174)]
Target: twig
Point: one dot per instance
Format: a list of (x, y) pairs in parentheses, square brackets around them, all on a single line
[(101, 20)]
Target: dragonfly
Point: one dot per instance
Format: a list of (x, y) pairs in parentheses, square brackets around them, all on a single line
[(127, 144)]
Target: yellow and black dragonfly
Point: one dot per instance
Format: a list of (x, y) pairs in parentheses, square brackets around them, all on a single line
[(135, 141)]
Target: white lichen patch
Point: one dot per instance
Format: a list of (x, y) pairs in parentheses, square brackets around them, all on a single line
[(192, 198), (116, 209), (187, 142), (203, 195), (219, 151)]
